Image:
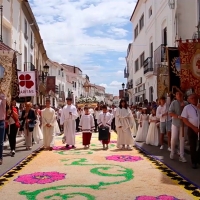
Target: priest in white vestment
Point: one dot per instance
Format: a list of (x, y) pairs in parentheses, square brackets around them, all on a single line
[(48, 126), (68, 118), (124, 123)]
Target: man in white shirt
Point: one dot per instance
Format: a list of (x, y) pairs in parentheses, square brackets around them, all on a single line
[(165, 122), (191, 118)]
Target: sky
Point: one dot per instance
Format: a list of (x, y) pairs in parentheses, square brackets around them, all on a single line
[(90, 34)]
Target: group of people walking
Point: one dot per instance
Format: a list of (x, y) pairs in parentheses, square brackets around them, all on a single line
[(178, 118)]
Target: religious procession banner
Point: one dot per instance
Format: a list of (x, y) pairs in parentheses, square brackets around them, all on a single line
[(27, 84), (7, 73), (190, 65)]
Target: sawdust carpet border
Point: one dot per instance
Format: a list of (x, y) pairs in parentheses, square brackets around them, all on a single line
[(177, 178), (4, 178)]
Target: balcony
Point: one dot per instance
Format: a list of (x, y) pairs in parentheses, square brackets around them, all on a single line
[(28, 66), (148, 67), (159, 57), (56, 89), (129, 85), (126, 74)]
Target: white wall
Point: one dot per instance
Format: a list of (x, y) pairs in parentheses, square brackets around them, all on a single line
[(162, 16)]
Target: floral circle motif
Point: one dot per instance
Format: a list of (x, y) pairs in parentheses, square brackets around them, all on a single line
[(162, 197), (113, 142), (58, 148), (124, 158), (40, 178)]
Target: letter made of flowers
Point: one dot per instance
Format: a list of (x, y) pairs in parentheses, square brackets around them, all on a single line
[(161, 197)]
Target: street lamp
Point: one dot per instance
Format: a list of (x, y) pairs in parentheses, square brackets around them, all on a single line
[(44, 73), (123, 86), (46, 69)]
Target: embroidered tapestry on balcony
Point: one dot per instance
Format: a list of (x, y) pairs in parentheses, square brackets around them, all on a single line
[(190, 65), (174, 67), (9, 82)]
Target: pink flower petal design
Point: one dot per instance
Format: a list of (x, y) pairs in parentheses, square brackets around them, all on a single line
[(40, 178), (124, 158), (161, 197)]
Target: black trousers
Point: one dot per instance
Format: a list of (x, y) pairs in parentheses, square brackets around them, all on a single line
[(113, 124), (12, 136), (194, 153), (77, 124), (96, 125)]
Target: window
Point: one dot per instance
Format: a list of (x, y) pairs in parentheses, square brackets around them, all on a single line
[(62, 74), (25, 58), (59, 72), (25, 29), (141, 60), (63, 88), (151, 49), (150, 94), (31, 59), (142, 22), (165, 36), (136, 31), (31, 40), (150, 12), (136, 65)]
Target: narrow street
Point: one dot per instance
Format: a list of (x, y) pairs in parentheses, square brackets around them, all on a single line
[(94, 174)]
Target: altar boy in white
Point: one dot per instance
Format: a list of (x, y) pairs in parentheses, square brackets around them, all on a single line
[(86, 126), (48, 125), (68, 117)]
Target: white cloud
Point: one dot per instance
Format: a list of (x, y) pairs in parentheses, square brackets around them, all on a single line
[(121, 59), (76, 31), (115, 83), (120, 73)]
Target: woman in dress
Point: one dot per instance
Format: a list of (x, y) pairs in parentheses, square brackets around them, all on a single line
[(124, 124), (28, 118), (37, 133), (153, 134), (143, 126)]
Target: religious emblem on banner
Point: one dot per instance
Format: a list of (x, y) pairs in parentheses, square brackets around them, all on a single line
[(27, 84), (190, 65)]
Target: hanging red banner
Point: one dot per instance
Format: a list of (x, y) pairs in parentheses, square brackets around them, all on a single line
[(190, 65)]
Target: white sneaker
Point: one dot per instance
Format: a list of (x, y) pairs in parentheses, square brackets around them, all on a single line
[(161, 147), (178, 152), (182, 159), (129, 148), (171, 156), (169, 149)]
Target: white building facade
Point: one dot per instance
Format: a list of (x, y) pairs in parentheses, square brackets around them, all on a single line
[(21, 33), (156, 24)]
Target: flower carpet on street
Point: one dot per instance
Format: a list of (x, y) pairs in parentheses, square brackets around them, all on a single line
[(91, 174), (124, 158)]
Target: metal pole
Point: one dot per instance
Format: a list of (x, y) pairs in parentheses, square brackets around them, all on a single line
[(1, 10)]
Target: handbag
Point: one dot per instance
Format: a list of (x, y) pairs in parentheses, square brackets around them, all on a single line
[(104, 133), (31, 125)]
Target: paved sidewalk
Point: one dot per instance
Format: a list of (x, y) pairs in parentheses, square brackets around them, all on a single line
[(183, 169)]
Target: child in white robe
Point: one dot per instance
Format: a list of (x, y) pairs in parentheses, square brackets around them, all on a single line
[(153, 134), (104, 121), (86, 125)]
